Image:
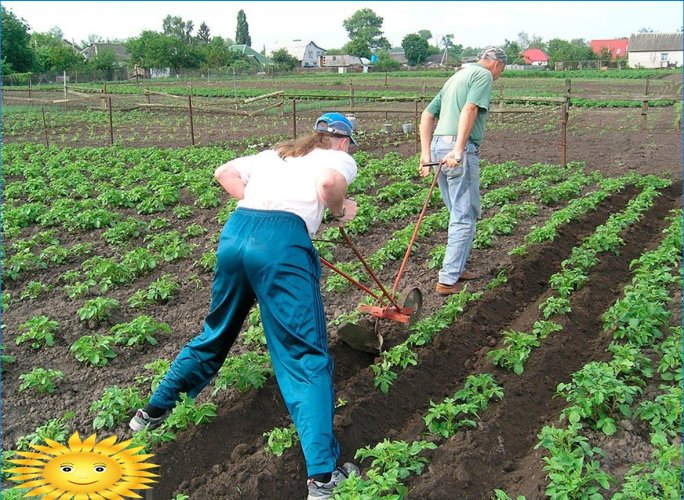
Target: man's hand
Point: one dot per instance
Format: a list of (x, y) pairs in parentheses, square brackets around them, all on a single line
[(423, 170), (453, 158)]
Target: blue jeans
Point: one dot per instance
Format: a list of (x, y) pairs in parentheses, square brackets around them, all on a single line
[(268, 256), (460, 189)]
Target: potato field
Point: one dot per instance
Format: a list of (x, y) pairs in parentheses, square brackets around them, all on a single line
[(557, 374)]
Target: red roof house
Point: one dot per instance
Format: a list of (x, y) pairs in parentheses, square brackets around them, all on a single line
[(536, 57), (617, 47)]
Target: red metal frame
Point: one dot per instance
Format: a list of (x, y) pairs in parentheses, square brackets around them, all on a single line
[(391, 311)]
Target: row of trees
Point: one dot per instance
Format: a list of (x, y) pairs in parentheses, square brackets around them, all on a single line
[(176, 46)]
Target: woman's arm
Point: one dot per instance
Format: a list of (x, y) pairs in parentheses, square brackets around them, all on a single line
[(230, 180), (332, 189)]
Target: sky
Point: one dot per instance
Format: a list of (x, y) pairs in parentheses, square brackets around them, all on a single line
[(474, 24)]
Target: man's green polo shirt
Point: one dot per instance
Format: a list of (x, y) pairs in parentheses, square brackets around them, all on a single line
[(472, 84)]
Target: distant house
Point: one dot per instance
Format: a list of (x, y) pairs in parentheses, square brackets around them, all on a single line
[(308, 53), (397, 53), (345, 63), (71, 45), (535, 57), (655, 50), (119, 50), (617, 47), (252, 54)]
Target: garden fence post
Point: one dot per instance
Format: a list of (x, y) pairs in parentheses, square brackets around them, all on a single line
[(47, 143), (351, 94), (644, 112), (294, 118), (564, 131), (415, 126), (111, 123), (29, 88), (385, 79), (104, 96), (148, 98), (192, 128)]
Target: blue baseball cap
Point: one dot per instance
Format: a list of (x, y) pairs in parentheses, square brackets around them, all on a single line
[(335, 123)]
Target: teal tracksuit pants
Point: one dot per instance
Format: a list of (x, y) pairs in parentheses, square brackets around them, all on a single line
[(268, 256)]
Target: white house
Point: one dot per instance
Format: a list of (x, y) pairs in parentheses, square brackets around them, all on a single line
[(345, 63), (655, 50), (308, 53)]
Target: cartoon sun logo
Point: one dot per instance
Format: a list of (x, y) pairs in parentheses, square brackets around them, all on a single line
[(85, 470)]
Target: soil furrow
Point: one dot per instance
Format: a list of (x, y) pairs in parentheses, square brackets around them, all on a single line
[(490, 456), (440, 370)]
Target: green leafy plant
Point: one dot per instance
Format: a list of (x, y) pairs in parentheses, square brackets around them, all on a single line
[(246, 371), (55, 429), (138, 331), (281, 439), (115, 406), (98, 309), (39, 331), (94, 350), (40, 380), (159, 368), (187, 411), (34, 289), (516, 350)]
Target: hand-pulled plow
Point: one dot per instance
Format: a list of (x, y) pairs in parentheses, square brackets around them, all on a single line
[(404, 308)]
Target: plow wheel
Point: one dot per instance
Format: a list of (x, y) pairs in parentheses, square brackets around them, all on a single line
[(413, 298)]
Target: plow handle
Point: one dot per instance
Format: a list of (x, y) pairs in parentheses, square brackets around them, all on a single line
[(420, 220)]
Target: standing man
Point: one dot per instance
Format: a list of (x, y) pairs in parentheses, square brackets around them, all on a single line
[(265, 254), (460, 111)]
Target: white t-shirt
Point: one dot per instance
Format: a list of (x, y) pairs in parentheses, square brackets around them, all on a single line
[(273, 183)]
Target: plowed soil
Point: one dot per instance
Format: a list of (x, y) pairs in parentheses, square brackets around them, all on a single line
[(226, 458)]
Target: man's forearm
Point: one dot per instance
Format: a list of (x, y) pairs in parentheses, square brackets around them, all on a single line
[(427, 126), (465, 126)]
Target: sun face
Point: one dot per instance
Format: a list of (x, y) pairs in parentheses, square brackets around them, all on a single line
[(86, 469)]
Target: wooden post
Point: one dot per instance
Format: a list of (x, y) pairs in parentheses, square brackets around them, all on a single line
[(281, 105), (351, 94), (644, 111), (385, 79), (648, 80), (415, 127), (65, 90), (501, 97), (111, 123), (192, 127), (148, 98), (294, 118), (29, 88), (564, 132), (47, 143), (104, 96)]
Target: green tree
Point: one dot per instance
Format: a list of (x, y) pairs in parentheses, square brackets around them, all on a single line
[(512, 49), (569, 51), (526, 41), (283, 60), (105, 61), (174, 26), (203, 33), (385, 62), (425, 34), (16, 52), (242, 31), (157, 50), (365, 25), (357, 47), (415, 49)]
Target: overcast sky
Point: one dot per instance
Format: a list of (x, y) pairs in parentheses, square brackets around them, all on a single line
[(474, 24)]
